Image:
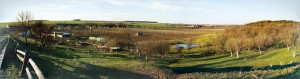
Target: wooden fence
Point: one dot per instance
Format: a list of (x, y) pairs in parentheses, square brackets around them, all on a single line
[(26, 59)]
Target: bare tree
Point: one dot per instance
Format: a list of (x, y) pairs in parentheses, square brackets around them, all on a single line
[(296, 44), (260, 41), (24, 19), (238, 45), (220, 42), (153, 47), (230, 46), (289, 36), (190, 44)]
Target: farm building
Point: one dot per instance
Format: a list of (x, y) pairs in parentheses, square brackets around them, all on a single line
[(98, 39), (61, 34)]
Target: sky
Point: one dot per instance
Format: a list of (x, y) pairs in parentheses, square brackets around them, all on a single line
[(166, 11)]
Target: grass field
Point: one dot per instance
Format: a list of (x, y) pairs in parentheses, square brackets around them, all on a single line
[(68, 64), (248, 61)]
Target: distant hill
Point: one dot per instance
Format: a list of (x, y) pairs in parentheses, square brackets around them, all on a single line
[(264, 22)]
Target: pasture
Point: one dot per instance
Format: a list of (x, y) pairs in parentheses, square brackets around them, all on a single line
[(77, 62)]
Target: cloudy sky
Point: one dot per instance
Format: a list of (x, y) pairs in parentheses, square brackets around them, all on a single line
[(171, 11)]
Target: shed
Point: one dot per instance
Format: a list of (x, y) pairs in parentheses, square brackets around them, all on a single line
[(61, 34)]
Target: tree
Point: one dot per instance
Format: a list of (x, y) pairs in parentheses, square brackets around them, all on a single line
[(230, 45), (260, 41), (238, 45), (41, 32), (289, 36), (220, 42), (114, 43), (145, 48), (153, 47), (162, 48), (23, 20), (179, 51), (296, 44), (190, 44)]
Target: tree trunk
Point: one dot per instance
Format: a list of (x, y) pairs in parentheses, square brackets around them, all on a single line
[(231, 53), (294, 53), (288, 47), (237, 54), (259, 50), (146, 57)]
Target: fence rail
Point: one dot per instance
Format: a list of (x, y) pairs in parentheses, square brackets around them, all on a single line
[(24, 57)]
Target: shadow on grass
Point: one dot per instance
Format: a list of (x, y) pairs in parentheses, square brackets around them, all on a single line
[(204, 68), (182, 70), (294, 75), (57, 69), (201, 68), (87, 71), (211, 58)]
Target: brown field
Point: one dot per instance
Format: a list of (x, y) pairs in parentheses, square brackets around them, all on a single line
[(148, 34)]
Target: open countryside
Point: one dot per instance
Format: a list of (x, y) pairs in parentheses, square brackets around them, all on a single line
[(36, 48)]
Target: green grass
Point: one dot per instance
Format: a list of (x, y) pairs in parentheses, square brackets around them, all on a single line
[(249, 60), (206, 38), (59, 63)]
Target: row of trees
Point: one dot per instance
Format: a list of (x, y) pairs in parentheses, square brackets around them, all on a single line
[(258, 36)]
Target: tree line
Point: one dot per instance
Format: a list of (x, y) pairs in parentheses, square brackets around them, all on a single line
[(258, 36)]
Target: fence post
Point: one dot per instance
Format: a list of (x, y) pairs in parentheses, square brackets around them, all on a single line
[(25, 62)]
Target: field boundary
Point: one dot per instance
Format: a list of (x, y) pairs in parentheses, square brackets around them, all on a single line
[(26, 59)]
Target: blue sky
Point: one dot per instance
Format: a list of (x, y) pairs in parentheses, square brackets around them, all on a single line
[(170, 11)]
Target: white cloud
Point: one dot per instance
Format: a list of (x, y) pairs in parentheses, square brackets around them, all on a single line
[(163, 6), (121, 2), (115, 2)]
